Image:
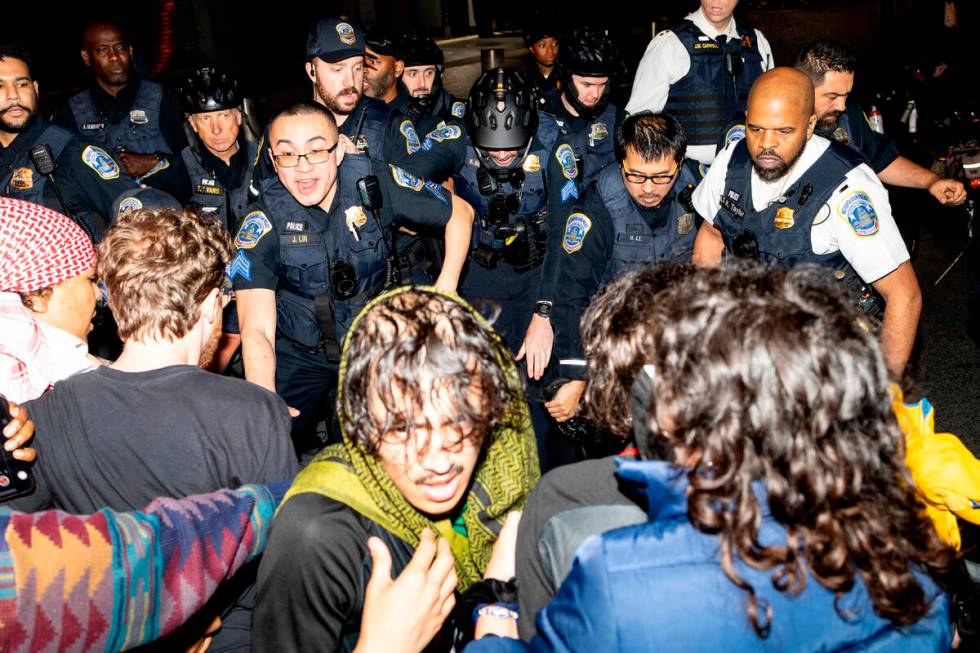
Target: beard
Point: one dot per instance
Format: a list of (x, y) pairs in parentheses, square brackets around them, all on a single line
[(829, 121), (211, 346), (771, 174), (335, 102), (15, 128), (379, 85)]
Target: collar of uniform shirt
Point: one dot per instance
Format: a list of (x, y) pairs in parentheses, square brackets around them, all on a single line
[(114, 107), (703, 24)]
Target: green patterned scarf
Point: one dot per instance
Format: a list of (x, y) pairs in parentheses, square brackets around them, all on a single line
[(504, 475)]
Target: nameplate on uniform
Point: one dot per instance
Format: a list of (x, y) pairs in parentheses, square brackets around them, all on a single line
[(635, 235), (201, 189), (292, 225), (710, 45), (732, 207), (92, 126), (299, 239)]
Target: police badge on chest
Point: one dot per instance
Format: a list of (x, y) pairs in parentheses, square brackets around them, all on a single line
[(597, 132)]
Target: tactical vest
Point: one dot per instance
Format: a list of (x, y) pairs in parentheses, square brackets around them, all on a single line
[(139, 131), (782, 230), (206, 191), (22, 180), (637, 243), (594, 145), (371, 139), (308, 251), (530, 220), (707, 97)]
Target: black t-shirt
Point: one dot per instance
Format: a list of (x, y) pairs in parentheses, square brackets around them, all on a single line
[(313, 574), (116, 439)]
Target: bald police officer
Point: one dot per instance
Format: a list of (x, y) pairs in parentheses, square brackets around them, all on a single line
[(785, 197)]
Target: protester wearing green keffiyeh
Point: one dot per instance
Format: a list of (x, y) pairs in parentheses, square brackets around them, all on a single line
[(436, 433)]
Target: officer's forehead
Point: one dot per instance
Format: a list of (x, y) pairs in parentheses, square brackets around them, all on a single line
[(300, 129), (13, 68), (103, 34)]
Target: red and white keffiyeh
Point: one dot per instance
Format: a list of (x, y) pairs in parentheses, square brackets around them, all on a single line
[(39, 247)]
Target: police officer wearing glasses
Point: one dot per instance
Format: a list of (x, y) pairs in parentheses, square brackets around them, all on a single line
[(317, 247), (637, 212)]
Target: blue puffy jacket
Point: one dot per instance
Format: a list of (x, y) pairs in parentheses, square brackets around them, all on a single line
[(659, 586)]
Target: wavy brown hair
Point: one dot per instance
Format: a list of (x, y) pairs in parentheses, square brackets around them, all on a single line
[(774, 377), (158, 266)]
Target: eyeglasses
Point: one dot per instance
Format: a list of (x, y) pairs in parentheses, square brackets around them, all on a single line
[(313, 157), (660, 180)]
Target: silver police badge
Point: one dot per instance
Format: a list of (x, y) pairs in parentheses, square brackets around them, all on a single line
[(685, 223), (598, 132), (138, 117)]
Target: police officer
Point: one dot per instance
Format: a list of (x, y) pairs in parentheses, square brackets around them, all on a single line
[(830, 66), (638, 211), (383, 67), (422, 79), (701, 72), (217, 168), (541, 38), (88, 178), (785, 197), (138, 120), (580, 114), (315, 250)]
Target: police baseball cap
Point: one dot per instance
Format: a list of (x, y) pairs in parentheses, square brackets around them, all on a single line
[(142, 198), (335, 39)]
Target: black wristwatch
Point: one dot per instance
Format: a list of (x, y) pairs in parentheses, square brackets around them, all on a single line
[(543, 309)]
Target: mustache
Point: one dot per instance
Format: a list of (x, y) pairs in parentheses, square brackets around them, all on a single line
[(350, 90), (771, 153), (425, 478), (15, 106)]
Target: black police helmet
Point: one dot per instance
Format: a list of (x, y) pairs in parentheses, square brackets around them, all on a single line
[(539, 27), (420, 50), (591, 54), (208, 90), (500, 111)]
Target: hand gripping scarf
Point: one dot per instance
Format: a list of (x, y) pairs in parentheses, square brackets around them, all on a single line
[(506, 472)]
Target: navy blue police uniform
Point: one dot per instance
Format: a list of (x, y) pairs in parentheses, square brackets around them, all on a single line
[(222, 190), (593, 141), (608, 234), (325, 266), (88, 177), (144, 117), (708, 96), (780, 234)]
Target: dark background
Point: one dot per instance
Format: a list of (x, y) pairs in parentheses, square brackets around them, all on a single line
[(262, 45)]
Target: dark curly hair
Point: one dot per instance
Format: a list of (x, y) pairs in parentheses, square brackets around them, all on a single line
[(10, 50), (617, 335), (774, 377), (817, 58), (419, 342)]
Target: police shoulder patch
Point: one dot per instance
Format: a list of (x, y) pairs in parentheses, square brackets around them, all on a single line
[(858, 210), (444, 132), (576, 228), (406, 179), (735, 133), (437, 191), (412, 143), (459, 109), (129, 205), (566, 157), (254, 227), (99, 160)]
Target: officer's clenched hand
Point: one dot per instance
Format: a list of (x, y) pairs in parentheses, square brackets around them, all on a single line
[(948, 191), (137, 165), (537, 346), (565, 404), (347, 145)]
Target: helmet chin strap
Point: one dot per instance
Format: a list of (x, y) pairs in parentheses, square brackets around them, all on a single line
[(584, 112), (499, 172)]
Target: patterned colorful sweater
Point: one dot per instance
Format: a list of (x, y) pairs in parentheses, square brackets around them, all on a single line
[(112, 581)]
